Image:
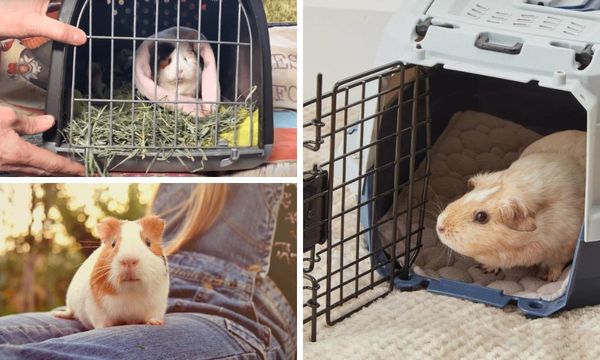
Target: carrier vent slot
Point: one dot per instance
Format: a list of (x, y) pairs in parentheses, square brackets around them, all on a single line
[(477, 11)]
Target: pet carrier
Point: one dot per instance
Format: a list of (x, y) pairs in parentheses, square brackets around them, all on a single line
[(163, 86), (391, 143)]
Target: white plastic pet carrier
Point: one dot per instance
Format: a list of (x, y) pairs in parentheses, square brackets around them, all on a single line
[(515, 70)]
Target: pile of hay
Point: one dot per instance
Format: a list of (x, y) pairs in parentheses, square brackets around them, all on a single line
[(134, 131)]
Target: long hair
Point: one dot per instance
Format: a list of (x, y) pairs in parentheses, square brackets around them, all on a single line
[(199, 213)]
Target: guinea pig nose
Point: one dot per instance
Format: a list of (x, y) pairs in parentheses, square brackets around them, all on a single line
[(129, 262), (440, 228)]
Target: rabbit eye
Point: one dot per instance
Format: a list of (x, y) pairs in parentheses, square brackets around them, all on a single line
[(481, 217)]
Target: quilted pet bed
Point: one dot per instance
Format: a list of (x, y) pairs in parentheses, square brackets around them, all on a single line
[(472, 142)]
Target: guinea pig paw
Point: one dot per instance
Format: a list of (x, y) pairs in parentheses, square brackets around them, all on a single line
[(64, 314), (155, 322), (552, 273), (490, 269)]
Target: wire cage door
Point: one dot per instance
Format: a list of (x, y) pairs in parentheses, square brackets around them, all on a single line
[(364, 143), (139, 114)]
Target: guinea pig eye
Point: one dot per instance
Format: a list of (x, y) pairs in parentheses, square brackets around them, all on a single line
[(481, 217), (148, 242), (114, 242)]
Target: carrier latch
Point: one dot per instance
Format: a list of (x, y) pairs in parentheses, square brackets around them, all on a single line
[(316, 207), (585, 56), (235, 156), (423, 26)]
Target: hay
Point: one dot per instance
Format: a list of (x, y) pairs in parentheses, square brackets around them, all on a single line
[(90, 130)]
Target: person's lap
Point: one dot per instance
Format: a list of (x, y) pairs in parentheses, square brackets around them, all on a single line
[(183, 336)]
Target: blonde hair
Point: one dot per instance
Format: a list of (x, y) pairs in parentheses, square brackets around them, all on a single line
[(199, 213)]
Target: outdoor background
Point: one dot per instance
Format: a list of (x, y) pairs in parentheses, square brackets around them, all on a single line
[(279, 11)]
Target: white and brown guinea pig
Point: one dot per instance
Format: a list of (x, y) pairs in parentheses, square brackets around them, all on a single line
[(528, 214), (183, 78), (125, 280)]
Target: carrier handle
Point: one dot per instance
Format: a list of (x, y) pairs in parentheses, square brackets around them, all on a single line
[(484, 42)]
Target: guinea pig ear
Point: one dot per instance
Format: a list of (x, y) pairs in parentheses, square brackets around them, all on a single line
[(108, 229), (153, 226), (471, 183), (517, 216)]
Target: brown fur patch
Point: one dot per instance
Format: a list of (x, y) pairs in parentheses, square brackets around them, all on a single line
[(109, 230), (99, 279), (152, 229)]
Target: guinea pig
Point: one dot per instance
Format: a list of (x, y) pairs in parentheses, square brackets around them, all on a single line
[(528, 214), (183, 78), (125, 280)]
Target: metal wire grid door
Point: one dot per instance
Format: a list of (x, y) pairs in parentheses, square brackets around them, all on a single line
[(133, 22), (361, 155)]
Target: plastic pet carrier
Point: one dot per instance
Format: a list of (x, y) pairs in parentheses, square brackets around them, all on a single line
[(163, 86), (467, 86)]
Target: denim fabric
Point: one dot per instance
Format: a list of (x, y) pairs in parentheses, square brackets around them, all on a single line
[(221, 303), (243, 234), (183, 336)]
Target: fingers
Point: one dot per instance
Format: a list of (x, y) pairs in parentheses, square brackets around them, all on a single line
[(19, 156), (45, 160), (25, 125), (33, 24)]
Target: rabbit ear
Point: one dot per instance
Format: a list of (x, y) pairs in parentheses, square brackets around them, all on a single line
[(517, 215)]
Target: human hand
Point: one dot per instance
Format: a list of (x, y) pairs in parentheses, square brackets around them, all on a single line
[(19, 19), (20, 157)]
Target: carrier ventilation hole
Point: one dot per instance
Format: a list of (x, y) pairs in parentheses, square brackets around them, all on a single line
[(477, 11), (498, 17)]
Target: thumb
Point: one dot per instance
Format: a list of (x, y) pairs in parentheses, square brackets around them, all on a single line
[(28, 125)]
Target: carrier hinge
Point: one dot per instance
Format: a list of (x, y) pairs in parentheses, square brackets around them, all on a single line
[(317, 122), (316, 207)]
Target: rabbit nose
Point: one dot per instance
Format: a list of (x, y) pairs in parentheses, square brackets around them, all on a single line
[(129, 262)]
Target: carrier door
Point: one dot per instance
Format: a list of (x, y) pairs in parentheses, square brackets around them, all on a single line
[(364, 141)]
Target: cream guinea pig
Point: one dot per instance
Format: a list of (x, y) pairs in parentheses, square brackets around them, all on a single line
[(125, 280), (528, 214), (183, 78)]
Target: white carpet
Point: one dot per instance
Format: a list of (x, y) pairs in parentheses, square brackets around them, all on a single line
[(420, 325)]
